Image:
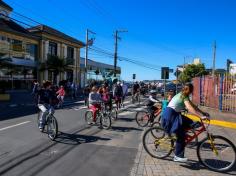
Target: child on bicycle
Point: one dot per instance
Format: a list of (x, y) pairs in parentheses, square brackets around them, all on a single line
[(174, 123), (95, 100), (152, 104), (60, 95)]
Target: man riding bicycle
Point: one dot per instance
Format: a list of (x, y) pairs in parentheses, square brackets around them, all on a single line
[(136, 88), (45, 102), (175, 123)]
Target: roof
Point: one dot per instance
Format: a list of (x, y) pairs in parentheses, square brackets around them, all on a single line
[(13, 27), (47, 29), (96, 64), (5, 5)]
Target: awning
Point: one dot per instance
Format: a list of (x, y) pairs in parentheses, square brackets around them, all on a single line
[(21, 62)]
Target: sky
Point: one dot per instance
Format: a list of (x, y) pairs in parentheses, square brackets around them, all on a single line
[(160, 32)]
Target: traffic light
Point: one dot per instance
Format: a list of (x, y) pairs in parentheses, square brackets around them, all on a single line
[(134, 76), (165, 72)]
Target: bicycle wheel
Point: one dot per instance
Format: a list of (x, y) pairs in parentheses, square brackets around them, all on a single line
[(142, 118), (158, 146), (114, 114), (88, 117), (105, 121), (155, 124), (52, 127), (218, 155)]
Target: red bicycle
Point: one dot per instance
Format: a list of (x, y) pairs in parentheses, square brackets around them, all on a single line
[(214, 152)]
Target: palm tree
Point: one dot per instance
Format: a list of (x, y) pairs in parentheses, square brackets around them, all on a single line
[(56, 65)]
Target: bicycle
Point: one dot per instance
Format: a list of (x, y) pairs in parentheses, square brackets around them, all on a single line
[(222, 150), (50, 122), (103, 117), (135, 98), (143, 118)]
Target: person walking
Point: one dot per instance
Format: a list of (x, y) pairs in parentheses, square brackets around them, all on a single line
[(125, 91)]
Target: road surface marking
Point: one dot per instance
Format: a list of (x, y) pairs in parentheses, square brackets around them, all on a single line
[(1, 129), (216, 122)]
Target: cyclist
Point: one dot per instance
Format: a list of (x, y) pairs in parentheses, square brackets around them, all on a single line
[(152, 105), (118, 94), (60, 95), (94, 101), (45, 102), (175, 123), (105, 94), (136, 88)]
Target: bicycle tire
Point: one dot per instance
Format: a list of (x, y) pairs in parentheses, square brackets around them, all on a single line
[(88, 117), (52, 127), (204, 144), (142, 116), (114, 114), (163, 142), (105, 121)]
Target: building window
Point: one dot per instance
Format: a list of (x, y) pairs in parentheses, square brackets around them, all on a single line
[(17, 45), (52, 49), (70, 52), (32, 50)]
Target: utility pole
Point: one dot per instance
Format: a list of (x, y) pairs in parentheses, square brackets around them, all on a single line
[(115, 55), (88, 43), (214, 59), (116, 46)]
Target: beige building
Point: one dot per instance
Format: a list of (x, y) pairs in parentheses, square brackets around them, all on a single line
[(18, 53), (55, 43)]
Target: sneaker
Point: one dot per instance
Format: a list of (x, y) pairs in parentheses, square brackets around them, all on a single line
[(179, 159)]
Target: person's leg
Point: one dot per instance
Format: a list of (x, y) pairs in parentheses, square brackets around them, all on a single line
[(42, 119), (180, 144)]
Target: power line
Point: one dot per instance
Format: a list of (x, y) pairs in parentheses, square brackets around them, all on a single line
[(39, 15)]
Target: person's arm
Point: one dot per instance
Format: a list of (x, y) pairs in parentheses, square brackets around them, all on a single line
[(193, 110), (153, 100)]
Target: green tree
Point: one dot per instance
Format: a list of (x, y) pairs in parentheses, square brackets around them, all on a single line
[(192, 71), (56, 65)]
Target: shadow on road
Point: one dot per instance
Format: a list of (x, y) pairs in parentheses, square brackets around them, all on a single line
[(125, 119), (124, 129), (76, 139)]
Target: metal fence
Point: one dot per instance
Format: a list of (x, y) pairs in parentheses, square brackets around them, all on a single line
[(217, 92)]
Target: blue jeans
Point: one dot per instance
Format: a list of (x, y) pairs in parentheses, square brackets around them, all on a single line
[(181, 133)]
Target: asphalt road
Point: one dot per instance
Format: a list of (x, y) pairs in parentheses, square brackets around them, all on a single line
[(79, 149)]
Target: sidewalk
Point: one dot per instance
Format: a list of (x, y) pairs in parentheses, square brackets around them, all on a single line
[(145, 165), (217, 115)]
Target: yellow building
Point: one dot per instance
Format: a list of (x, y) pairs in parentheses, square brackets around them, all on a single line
[(18, 53), (56, 43)]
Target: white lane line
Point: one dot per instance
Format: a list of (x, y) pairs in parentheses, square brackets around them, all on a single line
[(1, 129)]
